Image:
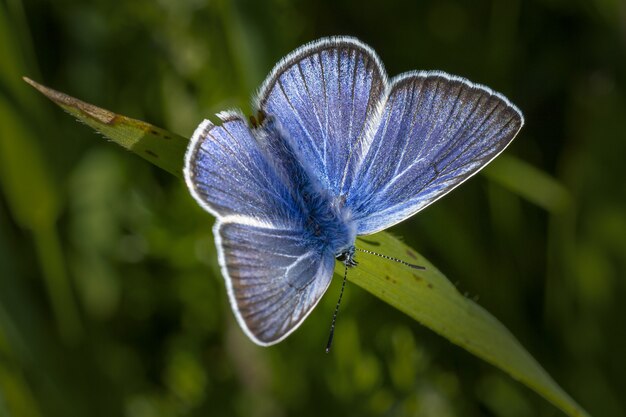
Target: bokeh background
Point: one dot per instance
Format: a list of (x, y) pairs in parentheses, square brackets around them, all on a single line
[(111, 302)]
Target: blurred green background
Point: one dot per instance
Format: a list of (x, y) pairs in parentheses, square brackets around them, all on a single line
[(111, 302)]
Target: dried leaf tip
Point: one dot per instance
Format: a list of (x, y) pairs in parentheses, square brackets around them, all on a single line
[(99, 114)]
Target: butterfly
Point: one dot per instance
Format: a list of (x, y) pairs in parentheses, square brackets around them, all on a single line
[(338, 150)]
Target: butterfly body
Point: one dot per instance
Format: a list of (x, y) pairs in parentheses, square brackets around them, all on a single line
[(338, 150), (327, 218)]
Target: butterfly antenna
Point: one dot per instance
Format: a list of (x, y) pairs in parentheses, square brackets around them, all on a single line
[(390, 258), (332, 326)]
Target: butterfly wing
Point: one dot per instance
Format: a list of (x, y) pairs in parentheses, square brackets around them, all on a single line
[(325, 97), (275, 272), (229, 174), (435, 132), (274, 279)]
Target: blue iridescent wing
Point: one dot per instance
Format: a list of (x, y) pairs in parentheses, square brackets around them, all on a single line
[(435, 132), (324, 97), (274, 270), (229, 174), (274, 279)]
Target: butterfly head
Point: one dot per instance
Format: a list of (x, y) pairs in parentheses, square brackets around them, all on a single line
[(347, 256)]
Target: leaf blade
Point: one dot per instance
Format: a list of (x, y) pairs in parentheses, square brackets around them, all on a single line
[(158, 146), (431, 299)]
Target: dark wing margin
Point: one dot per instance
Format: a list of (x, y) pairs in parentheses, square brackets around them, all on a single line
[(435, 132)]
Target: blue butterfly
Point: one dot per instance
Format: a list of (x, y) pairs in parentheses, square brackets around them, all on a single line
[(339, 150)]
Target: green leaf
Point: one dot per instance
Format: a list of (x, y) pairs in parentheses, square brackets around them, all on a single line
[(430, 298), (426, 296)]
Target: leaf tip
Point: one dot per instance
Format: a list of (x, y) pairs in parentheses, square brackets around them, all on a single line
[(99, 114), (33, 83)]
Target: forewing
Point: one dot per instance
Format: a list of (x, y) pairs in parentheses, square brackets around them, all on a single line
[(275, 271), (275, 276), (229, 174), (435, 132), (325, 97)]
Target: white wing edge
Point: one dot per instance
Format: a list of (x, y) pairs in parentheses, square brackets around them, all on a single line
[(233, 301), (299, 53), (435, 73), (196, 139)]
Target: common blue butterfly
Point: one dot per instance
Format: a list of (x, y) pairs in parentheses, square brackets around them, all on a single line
[(339, 150)]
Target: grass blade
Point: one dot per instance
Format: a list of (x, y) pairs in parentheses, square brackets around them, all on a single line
[(431, 299), (156, 145)]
